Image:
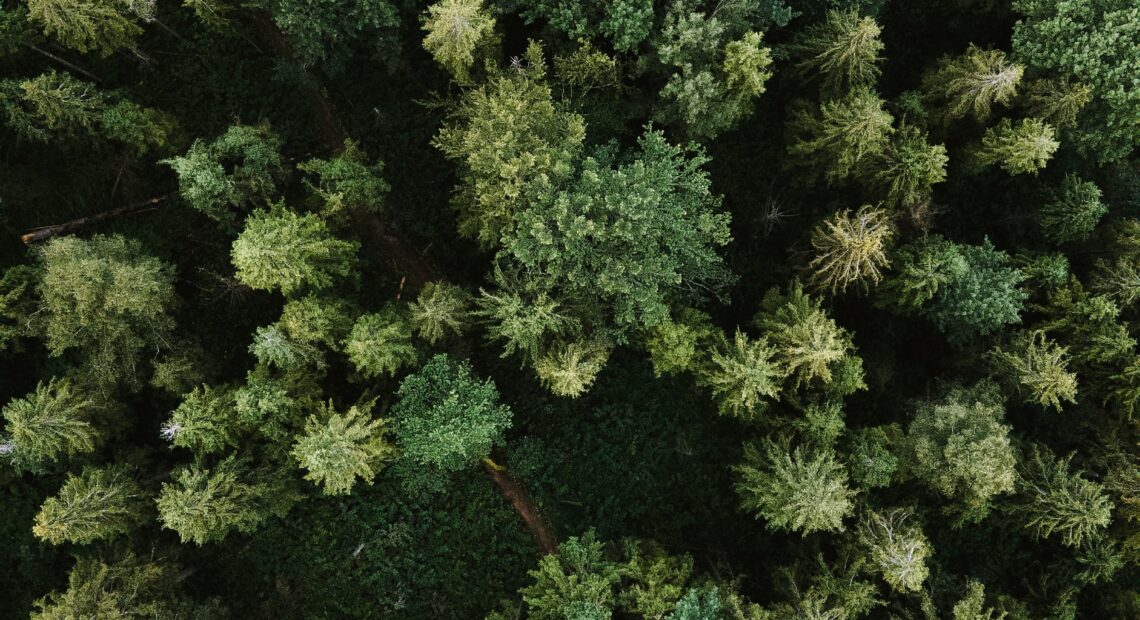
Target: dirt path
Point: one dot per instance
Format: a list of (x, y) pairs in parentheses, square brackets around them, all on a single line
[(523, 505)]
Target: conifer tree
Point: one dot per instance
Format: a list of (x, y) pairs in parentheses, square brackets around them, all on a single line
[(808, 343), (523, 315), (314, 319), (280, 249), (91, 25), (1038, 366), (1056, 501), (48, 424), (1073, 212), (908, 168), (745, 67), (743, 375), (272, 346), (678, 344), (205, 505), (1018, 150), (569, 369), (105, 299), (843, 135), (794, 489), (52, 104), (346, 182), (455, 30), (844, 49), (972, 605), (440, 309), (446, 418), (336, 449), (204, 422), (98, 504), (1056, 103), (381, 343), (850, 250), (973, 82), (127, 588), (897, 548), (576, 582)]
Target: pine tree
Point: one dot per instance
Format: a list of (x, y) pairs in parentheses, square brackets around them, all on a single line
[(743, 375), (1073, 212), (808, 343), (91, 25), (908, 168), (446, 417), (1056, 501), (381, 343), (1038, 366), (280, 249), (455, 30), (336, 449), (844, 50), (973, 82), (52, 104), (850, 250), (98, 504), (569, 369), (794, 489), (205, 505), (1018, 150), (48, 424), (440, 309), (576, 582), (1056, 103), (897, 548), (523, 315), (844, 134), (204, 422), (105, 299)]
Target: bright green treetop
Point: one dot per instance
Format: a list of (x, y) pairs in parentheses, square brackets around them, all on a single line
[(455, 30), (744, 376), (1073, 212), (440, 309), (844, 50), (48, 424), (973, 82), (1019, 149), (336, 449), (808, 343), (1038, 368), (850, 249), (897, 547), (381, 343), (280, 249), (128, 588), (91, 25), (794, 489), (205, 421), (1055, 501), (98, 504), (844, 134)]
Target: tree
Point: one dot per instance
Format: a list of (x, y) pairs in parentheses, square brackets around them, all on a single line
[(897, 548), (635, 236), (336, 448), (576, 582), (446, 418), (794, 489), (381, 343), (843, 135), (958, 446), (321, 33), (844, 50), (98, 504), (1056, 501), (870, 459), (1073, 212), (127, 588), (510, 141), (105, 299), (455, 30), (524, 315), (972, 605), (205, 505), (1056, 103), (676, 345), (742, 375), (52, 104), (626, 23), (280, 249), (569, 369), (91, 25), (314, 319), (907, 168), (52, 422), (272, 346), (746, 63), (1018, 150), (346, 182), (440, 309), (1038, 366), (204, 422), (224, 176), (973, 82), (808, 342), (850, 250), (1092, 43)]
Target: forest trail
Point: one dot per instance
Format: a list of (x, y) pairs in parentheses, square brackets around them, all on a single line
[(523, 505)]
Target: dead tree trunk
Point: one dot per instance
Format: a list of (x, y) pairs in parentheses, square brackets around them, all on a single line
[(47, 232)]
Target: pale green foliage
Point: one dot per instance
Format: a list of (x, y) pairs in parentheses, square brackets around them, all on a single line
[(347, 181), (205, 505), (312, 319), (845, 133), (105, 299), (98, 504), (958, 446), (455, 29), (794, 489), (1037, 366), (51, 104), (1073, 212), (447, 418), (633, 237), (90, 25), (336, 449), (223, 176), (1056, 103), (850, 250), (743, 376), (524, 316), (129, 588), (844, 50), (658, 579), (577, 582), (897, 548), (586, 70), (205, 421), (441, 308), (1056, 501), (972, 605), (273, 346), (381, 343), (908, 167), (746, 63), (280, 249), (973, 82), (1018, 150), (569, 369), (808, 342), (48, 424), (677, 345), (510, 141)]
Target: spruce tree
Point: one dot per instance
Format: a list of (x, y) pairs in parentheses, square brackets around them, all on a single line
[(98, 504), (744, 376), (908, 168), (1037, 367), (336, 449), (843, 135), (440, 309), (897, 548), (850, 250), (130, 587), (844, 50), (1073, 212), (455, 30), (286, 251), (48, 424), (808, 342), (794, 489), (973, 82), (91, 25), (204, 422), (1055, 501), (1018, 150), (569, 369), (381, 343)]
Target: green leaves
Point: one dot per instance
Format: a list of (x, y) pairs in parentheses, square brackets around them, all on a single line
[(973, 82), (794, 489), (98, 504), (336, 449), (455, 29), (843, 135), (1056, 501), (48, 424), (290, 252), (1073, 212), (850, 249), (380, 344)]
